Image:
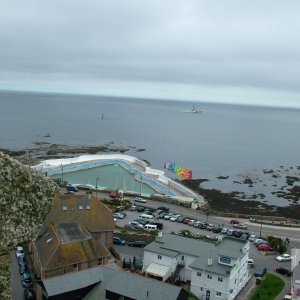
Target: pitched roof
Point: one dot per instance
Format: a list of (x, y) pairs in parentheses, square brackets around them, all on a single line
[(173, 245), (84, 209), (67, 244), (117, 281)]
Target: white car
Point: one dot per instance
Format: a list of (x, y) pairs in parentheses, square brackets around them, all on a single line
[(20, 251), (174, 218), (224, 230), (284, 257), (252, 237), (240, 226)]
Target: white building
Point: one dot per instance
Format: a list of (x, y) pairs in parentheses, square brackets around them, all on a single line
[(215, 270)]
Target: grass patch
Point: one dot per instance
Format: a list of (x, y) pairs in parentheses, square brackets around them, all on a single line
[(269, 288)]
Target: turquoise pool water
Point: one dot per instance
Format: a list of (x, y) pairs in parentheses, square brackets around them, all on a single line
[(110, 176)]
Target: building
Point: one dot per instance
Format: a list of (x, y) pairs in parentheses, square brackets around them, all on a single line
[(86, 210), (214, 270), (76, 236), (103, 283)]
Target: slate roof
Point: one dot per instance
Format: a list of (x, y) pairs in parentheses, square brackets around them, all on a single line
[(84, 209), (56, 249), (173, 245), (120, 282)]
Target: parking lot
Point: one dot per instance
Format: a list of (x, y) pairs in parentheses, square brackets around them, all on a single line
[(261, 259)]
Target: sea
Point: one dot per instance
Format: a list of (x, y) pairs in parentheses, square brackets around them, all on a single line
[(224, 143)]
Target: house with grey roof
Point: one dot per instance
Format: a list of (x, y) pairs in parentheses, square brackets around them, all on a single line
[(214, 270), (106, 283)]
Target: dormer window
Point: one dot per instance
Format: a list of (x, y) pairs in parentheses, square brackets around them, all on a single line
[(80, 207)]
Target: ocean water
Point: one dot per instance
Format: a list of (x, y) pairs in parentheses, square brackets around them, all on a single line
[(227, 140)]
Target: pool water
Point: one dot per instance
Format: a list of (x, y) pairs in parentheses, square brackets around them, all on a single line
[(110, 177)]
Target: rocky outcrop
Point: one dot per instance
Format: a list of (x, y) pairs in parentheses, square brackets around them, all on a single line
[(25, 199)]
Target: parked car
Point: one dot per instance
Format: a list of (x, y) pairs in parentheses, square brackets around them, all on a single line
[(210, 227), (166, 209), (180, 219), (237, 233), (26, 280), (140, 209), (134, 223), (265, 247), (234, 221), (159, 225), (29, 294), (140, 244), (72, 188), (250, 263), (133, 208), (191, 222), (203, 225), (252, 237), (137, 262), (118, 241), (258, 242), (138, 199), (240, 226), (126, 263), (196, 224), (217, 229), (20, 251), (168, 216), (174, 218), (260, 272), (284, 257), (283, 271), (118, 215), (23, 268), (224, 230), (22, 260), (230, 232), (186, 220)]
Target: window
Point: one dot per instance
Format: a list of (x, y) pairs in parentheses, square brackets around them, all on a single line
[(100, 261), (182, 257), (220, 279), (201, 289), (159, 256), (219, 293), (209, 276), (199, 274)]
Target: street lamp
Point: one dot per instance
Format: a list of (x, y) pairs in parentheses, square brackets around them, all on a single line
[(261, 221), (97, 187)]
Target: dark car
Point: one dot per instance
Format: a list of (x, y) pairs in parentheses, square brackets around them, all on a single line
[(166, 209), (186, 220), (140, 209), (180, 219), (260, 272), (72, 188), (23, 268), (233, 221), (159, 225), (21, 260), (29, 294), (140, 244), (126, 263), (26, 280), (217, 229), (118, 241), (237, 233), (137, 263), (284, 271)]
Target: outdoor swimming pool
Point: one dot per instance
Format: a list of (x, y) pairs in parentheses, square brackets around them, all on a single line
[(110, 176)]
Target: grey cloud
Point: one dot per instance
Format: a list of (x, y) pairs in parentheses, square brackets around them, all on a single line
[(226, 43)]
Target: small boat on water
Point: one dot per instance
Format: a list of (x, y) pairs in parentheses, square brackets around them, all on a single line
[(193, 110)]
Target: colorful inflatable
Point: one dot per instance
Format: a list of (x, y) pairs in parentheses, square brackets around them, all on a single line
[(181, 172)]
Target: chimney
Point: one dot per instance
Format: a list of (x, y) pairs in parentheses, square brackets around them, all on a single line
[(209, 261)]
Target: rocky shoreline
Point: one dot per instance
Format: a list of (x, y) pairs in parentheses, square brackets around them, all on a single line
[(247, 201)]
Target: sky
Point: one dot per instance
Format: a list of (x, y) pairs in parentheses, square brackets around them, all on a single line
[(243, 52)]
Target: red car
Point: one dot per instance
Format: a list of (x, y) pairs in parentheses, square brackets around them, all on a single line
[(233, 221), (186, 220), (264, 247)]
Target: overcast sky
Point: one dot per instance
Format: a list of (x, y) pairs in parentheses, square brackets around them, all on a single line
[(213, 51)]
